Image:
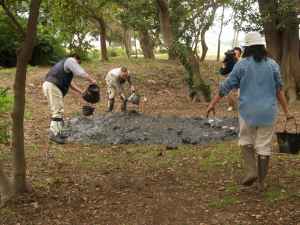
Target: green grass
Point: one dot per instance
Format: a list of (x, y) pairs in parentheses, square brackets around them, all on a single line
[(12, 70), (274, 194), (224, 202), (232, 188), (221, 156)]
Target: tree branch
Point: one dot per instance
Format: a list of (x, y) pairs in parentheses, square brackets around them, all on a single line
[(13, 18)]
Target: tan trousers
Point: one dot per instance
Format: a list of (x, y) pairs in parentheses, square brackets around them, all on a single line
[(259, 137), (55, 99), (111, 91)]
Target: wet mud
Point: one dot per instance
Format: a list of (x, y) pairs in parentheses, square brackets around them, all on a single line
[(135, 128)]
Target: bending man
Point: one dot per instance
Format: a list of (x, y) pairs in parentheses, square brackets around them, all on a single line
[(115, 79), (56, 86)]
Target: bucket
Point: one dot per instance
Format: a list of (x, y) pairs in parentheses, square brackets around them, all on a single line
[(288, 142), (92, 94)]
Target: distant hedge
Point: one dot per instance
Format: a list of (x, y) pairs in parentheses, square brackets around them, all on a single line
[(46, 51)]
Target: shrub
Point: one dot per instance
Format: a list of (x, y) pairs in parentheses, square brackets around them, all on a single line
[(115, 52), (5, 106), (46, 51)]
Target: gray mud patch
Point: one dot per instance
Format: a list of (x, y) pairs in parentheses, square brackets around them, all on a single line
[(135, 128)]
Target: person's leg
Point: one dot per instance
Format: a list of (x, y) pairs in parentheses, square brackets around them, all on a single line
[(56, 105), (246, 141), (124, 105), (111, 98), (263, 146)]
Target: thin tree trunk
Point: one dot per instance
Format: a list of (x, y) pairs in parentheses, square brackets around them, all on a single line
[(136, 49), (203, 43), (205, 29), (234, 38), (23, 58), (127, 42), (220, 33), (165, 26), (147, 44), (102, 31)]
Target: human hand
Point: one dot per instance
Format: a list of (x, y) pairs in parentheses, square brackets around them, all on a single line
[(210, 108), (93, 81)]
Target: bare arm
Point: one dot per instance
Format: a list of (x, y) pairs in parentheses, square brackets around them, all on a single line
[(213, 103), (75, 88), (282, 100), (90, 79)]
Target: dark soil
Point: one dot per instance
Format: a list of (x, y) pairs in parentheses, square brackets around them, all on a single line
[(136, 128)]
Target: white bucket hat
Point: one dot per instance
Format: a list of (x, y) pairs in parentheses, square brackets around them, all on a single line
[(253, 38)]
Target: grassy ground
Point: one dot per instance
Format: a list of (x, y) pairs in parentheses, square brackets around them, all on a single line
[(141, 184)]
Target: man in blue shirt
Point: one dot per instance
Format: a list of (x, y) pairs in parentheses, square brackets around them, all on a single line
[(259, 80)]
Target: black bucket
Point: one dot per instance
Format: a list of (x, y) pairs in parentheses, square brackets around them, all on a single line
[(92, 94), (288, 142), (87, 110)]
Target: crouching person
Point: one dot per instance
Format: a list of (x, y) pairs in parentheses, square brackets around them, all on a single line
[(115, 80), (259, 80), (56, 86)]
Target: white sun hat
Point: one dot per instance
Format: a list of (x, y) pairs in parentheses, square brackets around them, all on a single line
[(253, 38)]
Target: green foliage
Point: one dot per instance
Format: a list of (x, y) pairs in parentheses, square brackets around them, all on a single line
[(5, 101), (67, 23), (115, 52), (245, 19), (47, 49), (9, 42), (5, 106), (139, 15), (190, 61)]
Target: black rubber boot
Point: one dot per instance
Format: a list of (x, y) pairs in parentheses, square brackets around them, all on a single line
[(248, 154), (124, 106), (58, 139), (111, 103), (263, 166)]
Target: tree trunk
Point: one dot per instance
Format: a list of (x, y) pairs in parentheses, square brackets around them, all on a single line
[(166, 26), (205, 28), (203, 43), (220, 33), (135, 46), (23, 58), (283, 45), (198, 89), (102, 31), (147, 44), (127, 42)]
